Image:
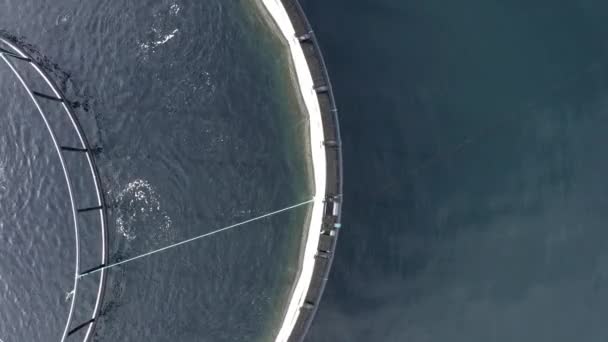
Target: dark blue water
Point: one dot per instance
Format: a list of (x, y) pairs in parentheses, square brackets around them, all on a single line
[(475, 192), (191, 108)]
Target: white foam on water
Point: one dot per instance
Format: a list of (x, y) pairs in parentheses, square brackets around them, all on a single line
[(209, 86), (159, 32), (160, 38), (63, 19), (139, 206), (174, 9), (166, 38), (207, 76)]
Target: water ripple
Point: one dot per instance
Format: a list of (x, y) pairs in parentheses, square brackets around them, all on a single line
[(139, 209)]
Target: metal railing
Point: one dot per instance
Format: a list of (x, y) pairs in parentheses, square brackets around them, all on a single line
[(11, 54), (311, 37), (333, 196)]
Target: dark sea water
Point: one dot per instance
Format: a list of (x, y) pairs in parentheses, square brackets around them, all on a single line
[(28, 188), (475, 170), (191, 107)]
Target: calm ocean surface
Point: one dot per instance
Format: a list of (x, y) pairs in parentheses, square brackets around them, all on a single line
[(191, 107), (475, 170)]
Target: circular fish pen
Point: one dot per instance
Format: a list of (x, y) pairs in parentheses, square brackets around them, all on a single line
[(228, 157), (86, 195)]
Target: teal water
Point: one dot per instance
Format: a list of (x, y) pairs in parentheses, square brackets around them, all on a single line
[(474, 139), (191, 107)]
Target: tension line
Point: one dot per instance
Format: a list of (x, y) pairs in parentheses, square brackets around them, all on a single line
[(194, 238)]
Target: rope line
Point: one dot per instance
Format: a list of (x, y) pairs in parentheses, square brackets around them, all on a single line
[(196, 238)]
